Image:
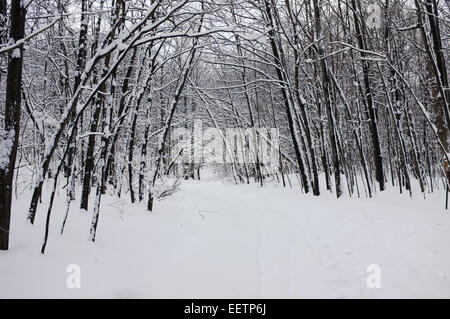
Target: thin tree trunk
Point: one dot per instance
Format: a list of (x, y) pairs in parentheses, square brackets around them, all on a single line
[(360, 35), (327, 100)]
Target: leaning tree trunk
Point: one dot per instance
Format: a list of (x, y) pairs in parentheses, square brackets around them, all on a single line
[(280, 63)]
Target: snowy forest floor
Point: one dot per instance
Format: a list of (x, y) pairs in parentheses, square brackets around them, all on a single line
[(214, 239)]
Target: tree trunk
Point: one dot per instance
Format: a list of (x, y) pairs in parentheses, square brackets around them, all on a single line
[(279, 60), (327, 100), (360, 35), (9, 138)]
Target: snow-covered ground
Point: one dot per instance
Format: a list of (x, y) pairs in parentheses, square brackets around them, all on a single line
[(214, 239)]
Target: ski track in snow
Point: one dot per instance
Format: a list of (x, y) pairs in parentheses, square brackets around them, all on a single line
[(217, 240)]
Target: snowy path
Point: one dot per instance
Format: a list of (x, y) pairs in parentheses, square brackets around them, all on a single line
[(219, 240)]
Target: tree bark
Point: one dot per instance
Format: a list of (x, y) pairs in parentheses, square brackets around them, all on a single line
[(9, 138)]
